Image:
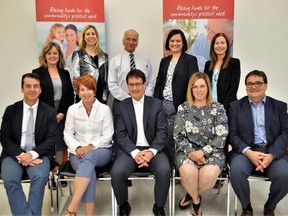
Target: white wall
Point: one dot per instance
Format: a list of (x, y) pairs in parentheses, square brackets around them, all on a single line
[(260, 39)]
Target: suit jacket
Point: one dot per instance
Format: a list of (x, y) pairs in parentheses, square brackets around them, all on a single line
[(186, 66), (228, 81), (154, 124), (83, 64), (241, 126), (47, 94), (45, 131)]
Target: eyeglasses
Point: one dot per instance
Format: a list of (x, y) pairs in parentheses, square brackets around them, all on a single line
[(201, 87), (137, 85), (257, 84)]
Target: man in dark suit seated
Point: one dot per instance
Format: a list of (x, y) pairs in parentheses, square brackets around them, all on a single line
[(140, 136), (28, 146), (258, 129)]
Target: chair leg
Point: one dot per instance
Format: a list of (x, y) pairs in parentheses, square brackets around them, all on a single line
[(235, 204), (228, 196), (51, 194)]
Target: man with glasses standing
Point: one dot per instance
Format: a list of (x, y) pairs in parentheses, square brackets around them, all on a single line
[(140, 136), (258, 130)]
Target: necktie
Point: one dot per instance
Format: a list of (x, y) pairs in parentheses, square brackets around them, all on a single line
[(29, 132), (132, 62)]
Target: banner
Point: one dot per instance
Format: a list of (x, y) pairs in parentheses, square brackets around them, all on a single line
[(62, 22), (200, 20)]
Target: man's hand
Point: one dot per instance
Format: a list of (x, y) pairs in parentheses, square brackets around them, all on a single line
[(25, 159), (81, 151), (143, 158), (259, 159), (36, 162)]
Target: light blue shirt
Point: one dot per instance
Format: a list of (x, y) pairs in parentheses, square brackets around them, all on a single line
[(258, 115), (214, 84)]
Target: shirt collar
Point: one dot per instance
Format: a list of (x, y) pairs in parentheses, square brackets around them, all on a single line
[(141, 101), (34, 106), (263, 101)]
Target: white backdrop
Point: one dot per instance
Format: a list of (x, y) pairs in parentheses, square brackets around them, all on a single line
[(260, 36)]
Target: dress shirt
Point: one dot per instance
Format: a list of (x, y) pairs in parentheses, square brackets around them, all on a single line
[(141, 139), (82, 130), (26, 114), (258, 114), (119, 66)]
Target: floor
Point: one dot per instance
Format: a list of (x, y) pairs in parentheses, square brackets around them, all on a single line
[(141, 200)]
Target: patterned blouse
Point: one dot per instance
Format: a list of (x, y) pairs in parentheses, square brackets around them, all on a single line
[(204, 128)]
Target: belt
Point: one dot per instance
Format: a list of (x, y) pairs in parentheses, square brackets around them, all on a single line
[(264, 146)]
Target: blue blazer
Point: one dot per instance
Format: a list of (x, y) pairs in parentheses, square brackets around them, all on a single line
[(241, 126), (154, 123), (186, 66), (45, 131)]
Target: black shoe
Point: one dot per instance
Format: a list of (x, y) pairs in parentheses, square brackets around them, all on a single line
[(53, 184), (158, 211), (129, 183), (124, 210)]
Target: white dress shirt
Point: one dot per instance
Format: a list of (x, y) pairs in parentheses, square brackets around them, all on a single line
[(119, 66), (82, 130), (141, 139), (26, 114)]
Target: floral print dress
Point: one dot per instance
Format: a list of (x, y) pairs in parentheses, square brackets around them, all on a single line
[(201, 128)]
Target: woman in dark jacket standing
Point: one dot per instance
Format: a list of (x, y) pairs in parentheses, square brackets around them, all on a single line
[(57, 90), (223, 71), (174, 73), (91, 59)]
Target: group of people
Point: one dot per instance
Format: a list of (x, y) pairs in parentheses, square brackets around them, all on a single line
[(183, 118)]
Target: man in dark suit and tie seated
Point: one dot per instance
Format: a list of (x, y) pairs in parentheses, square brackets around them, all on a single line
[(258, 129), (140, 137), (28, 136)]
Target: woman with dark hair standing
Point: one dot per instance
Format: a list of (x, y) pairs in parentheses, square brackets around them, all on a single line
[(223, 71), (91, 59), (57, 92), (172, 80)]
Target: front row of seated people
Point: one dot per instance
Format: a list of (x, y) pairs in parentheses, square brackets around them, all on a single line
[(258, 134)]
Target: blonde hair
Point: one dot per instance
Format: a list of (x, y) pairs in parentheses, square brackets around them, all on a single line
[(46, 49), (53, 28), (82, 44), (198, 75)]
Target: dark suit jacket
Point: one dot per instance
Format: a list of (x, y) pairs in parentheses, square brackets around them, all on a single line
[(154, 123), (241, 127), (47, 94), (45, 131), (186, 66), (228, 81)]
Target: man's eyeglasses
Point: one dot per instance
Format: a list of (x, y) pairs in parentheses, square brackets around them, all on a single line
[(256, 84), (137, 85)]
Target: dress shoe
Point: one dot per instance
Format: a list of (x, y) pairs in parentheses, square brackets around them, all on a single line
[(124, 210), (247, 212), (269, 212), (158, 211)]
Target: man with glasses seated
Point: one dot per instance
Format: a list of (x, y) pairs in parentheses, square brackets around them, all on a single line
[(140, 136), (258, 129)]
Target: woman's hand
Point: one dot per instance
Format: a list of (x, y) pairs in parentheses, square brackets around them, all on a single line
[(81, 151), (196, 155), (60, 117)]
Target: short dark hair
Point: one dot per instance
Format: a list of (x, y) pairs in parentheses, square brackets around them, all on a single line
[(136, 73), (171, 34), (30, 75), (257, 73)]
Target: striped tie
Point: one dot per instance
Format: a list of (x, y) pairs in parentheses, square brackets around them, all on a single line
[(132, 62)]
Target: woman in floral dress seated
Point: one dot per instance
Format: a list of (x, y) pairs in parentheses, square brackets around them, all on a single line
[(200, 131)]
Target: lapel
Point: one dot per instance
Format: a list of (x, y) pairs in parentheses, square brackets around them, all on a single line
[(47, 78), (88, 60), (166, 66), (39, 117), (179, 64), (19, 119), (131, 114), (268, 115), (248, 113), (146, 111)]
